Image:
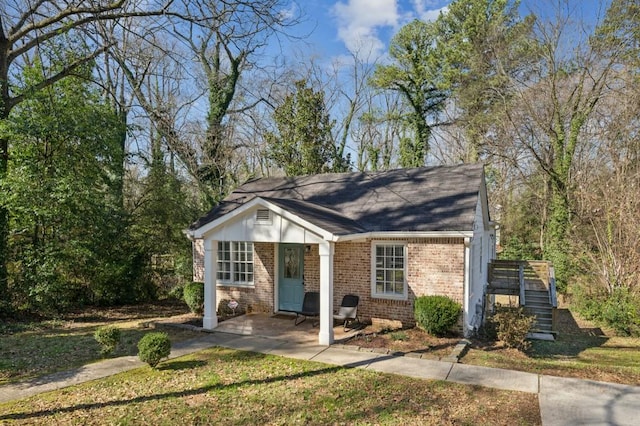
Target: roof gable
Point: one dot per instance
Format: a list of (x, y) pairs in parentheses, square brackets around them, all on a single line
[(421, 199)]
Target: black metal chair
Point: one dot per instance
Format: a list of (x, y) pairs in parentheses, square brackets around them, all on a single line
[(310, 307), (348, 310)]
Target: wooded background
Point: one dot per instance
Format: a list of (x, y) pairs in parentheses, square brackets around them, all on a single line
[(122, 121)]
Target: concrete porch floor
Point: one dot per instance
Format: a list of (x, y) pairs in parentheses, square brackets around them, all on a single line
[(280, 326)]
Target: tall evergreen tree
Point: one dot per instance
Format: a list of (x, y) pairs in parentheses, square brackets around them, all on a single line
[(416, 73), (303, 143)]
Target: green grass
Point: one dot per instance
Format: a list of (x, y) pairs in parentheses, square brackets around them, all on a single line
[(613, 359), (29, 350), (223, 386)]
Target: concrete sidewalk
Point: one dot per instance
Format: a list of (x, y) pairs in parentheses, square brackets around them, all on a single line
[(562, 401)]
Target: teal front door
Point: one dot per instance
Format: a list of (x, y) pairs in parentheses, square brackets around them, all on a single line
[(290, 277)]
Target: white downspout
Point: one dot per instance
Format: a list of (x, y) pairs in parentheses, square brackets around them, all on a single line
[(325, 336), (210, 320), (467, 282)]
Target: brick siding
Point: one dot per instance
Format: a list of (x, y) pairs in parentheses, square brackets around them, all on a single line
[(435, 266), (198, 260)]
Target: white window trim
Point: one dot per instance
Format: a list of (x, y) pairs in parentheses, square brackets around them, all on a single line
[(230, 282), (376, 295)]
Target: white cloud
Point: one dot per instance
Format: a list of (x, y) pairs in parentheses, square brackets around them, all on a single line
[(360, 20), (427, 10)]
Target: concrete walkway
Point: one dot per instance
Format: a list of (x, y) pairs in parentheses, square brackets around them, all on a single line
[(562, 401)]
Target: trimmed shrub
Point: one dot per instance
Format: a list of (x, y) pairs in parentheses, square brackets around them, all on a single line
[(511, 326), (436, 314), (108, 337), (153, 347), (194, 297)]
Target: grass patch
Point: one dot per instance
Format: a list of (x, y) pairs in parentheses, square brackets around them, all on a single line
[(611, 359), (29, 350), (223, 386)]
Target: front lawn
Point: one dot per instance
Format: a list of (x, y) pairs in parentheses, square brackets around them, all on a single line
[(609, 359), (224, 386), (581, 350), (33, 349)]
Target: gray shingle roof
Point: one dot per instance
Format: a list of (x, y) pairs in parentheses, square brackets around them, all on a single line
[(423, 199)]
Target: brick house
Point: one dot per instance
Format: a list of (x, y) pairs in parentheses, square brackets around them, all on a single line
[(388, 237)]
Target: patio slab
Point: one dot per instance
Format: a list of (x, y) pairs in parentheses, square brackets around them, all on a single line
[(280, 326), (253, 344)]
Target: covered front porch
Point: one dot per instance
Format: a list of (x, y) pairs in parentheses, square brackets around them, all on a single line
[(271, 278), (280, 326)]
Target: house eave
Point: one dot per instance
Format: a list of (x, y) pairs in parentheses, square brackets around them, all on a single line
[(403, 234)]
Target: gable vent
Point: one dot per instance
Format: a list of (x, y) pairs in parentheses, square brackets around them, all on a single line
[(263, 215)]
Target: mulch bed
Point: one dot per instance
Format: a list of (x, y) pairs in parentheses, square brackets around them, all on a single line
[(411, 340)]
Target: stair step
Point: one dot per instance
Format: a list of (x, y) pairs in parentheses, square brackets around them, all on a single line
[(537, 292), (529, 308), (528, 297)]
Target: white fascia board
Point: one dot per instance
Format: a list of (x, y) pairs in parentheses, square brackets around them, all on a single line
[(189, 234), (404, 234), (260, 202), (484, 201)]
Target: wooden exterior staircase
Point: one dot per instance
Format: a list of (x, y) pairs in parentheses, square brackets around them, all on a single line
[(534, 284)]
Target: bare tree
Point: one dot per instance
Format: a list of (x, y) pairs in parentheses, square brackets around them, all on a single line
[(546, 120), (225, 38)]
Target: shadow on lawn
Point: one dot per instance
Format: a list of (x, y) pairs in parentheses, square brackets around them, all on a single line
[(571, 340), (161, 396)]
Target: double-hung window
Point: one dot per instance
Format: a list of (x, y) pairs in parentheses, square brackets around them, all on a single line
[(389, 270), (235, 263)]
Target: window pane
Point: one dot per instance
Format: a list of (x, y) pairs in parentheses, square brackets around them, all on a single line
[(235, 262), (390, 269)]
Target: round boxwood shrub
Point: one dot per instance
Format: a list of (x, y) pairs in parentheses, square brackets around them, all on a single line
[(153, 347), (436, 314), (194, 297), (108, 337)]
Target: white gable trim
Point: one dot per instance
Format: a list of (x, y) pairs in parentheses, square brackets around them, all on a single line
[(210, 227)]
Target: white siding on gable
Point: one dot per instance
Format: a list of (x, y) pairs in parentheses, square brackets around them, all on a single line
[(246, 227)]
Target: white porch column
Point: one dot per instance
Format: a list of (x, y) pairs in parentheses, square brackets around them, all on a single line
[(210, 320), (326, 293)]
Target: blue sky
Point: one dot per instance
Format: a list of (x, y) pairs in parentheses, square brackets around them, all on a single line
[(342, 26)]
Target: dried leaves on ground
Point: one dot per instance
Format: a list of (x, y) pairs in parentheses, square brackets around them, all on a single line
[(223, 386), (32, 349)]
